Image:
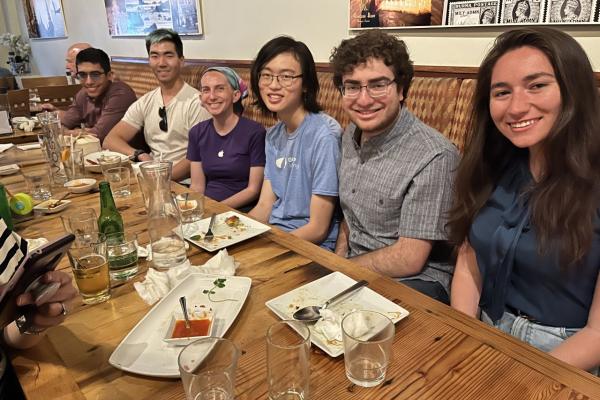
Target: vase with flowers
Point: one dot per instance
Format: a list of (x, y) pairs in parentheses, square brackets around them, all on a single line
[(18, 53)]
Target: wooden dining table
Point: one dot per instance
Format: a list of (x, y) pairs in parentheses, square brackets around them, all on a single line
[(438, 353), (19, 136)]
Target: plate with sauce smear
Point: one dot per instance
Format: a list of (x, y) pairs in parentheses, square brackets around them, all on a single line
[(145, 351)]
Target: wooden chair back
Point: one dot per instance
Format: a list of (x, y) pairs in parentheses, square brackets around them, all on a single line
[(28, 83), (59, 96), (18, 103), (4, 102)]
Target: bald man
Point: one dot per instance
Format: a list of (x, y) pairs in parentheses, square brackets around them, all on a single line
[(72, 52)]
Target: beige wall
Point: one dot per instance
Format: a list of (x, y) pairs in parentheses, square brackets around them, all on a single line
[(235, 29)]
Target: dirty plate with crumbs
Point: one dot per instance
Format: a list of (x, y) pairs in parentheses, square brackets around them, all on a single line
[(229, 228), (319, 291)]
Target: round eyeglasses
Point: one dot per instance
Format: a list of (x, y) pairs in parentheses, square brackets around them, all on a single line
[(285, 80), (94, 75)]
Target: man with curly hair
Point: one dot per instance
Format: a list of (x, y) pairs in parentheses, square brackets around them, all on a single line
[(396, 172)]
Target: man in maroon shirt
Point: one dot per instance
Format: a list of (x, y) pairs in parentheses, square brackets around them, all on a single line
[(101, 102)]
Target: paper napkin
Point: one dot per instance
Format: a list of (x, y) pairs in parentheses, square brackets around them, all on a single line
[(4, 147), (157, 284), (29, 146)]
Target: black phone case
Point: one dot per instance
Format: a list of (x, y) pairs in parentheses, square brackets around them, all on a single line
[(34, 265)]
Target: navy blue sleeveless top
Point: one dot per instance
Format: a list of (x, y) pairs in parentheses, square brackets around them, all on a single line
[(513, 272)]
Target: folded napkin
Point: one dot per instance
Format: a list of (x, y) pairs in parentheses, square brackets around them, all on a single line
[(33, 244), (157, 284), (4, 147), (29, 146)]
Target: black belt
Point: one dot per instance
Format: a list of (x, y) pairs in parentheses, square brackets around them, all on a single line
[(519, 313)]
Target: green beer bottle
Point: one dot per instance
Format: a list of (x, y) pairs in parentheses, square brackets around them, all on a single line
[(109, 221), (5, 208)]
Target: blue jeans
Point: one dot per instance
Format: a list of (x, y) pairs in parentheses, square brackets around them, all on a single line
[(540, 336)]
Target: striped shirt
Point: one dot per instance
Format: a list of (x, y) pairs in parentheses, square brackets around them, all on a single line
[(12, 251)]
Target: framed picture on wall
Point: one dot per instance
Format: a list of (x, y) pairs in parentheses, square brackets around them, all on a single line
[(395, 13), (140, 17), (45, 19)]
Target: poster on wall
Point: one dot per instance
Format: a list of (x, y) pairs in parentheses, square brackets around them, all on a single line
[(45, 19), (475, 12), (395, 13), (140, 17)]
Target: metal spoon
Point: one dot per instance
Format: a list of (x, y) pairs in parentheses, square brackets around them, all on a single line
[(183, 305), (312, 313)]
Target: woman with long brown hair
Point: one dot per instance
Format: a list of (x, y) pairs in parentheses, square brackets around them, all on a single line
[(526, 212)]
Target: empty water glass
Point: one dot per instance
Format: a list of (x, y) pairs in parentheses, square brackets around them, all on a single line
[(119, 181), (38, 183), (82, 223), (368, 337)]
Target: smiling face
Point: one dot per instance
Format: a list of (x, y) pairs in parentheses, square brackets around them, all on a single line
[(217, 95), (525, 98), (93, 88), (164, 62), (277, 98), (372, 115)]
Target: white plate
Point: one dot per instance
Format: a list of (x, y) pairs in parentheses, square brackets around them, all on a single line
[(80, 185), (144, 352), (9, 169), (319, 291), (224, 234), (94, 158), (43, 206)]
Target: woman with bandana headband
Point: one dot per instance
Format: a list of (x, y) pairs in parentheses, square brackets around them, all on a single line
[(227, 152)]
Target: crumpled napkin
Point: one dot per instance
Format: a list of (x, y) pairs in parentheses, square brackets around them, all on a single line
[(33, 244), (157, 283), (4, 147)]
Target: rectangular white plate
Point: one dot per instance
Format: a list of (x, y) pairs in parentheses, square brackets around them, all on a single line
[(319, 291), (144, 352), (224, 234)]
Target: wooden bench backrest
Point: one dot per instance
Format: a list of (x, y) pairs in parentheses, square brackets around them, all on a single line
[(18, 102), (59, 96), (28, 83)]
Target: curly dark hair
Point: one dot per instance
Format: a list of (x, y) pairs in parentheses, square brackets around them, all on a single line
[(564, 201), (373, 44), (310, 80)]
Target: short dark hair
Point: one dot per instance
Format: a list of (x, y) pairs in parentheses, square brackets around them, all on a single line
[(94, 56), (310, 81), (165, 35), (377, 45)]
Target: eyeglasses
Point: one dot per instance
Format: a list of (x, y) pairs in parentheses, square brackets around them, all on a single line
[(94, 75), (284, 80), (374, 89), (162, 113)]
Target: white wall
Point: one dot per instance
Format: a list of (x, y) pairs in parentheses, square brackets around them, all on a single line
[(236, 29)]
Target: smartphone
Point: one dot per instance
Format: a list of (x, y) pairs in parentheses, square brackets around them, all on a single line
[(27, 278)]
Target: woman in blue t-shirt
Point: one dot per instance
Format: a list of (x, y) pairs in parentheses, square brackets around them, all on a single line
[(300, 189), (227, 152), (528, 197)]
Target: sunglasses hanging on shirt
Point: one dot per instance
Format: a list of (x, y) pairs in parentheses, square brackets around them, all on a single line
[(162, 113)]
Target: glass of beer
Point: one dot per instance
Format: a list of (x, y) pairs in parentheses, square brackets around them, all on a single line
[(89, 261), (122, 255)]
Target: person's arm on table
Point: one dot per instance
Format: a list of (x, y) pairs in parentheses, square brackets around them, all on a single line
[(341, 245), (262, 211), (181, 170), (466, 282), (321, 213), (582, 350), (250, 193), (118, 138), (47, 315), (198, 179)]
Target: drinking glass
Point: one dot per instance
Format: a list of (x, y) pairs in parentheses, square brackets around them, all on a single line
[(118, 178), (82, 223), (38, 183), (122, 255), (73, 163), (288, 360), (368, 337), (207, 368), (89, 262), (51, 142), (108, 161), (191, 209)]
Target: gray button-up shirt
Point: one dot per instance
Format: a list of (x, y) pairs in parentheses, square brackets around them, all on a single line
[(398, 184)]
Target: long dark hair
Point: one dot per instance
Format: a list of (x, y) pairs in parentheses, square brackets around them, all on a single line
[(310, 81), (564, 201)]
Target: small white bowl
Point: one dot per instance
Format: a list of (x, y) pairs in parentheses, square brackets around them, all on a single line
[(202, 313), (80, 185)]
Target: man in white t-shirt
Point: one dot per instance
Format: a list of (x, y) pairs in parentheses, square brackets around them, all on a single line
[(166, 114)]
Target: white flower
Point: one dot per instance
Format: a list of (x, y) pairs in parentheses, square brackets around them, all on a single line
[(15, 44)]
